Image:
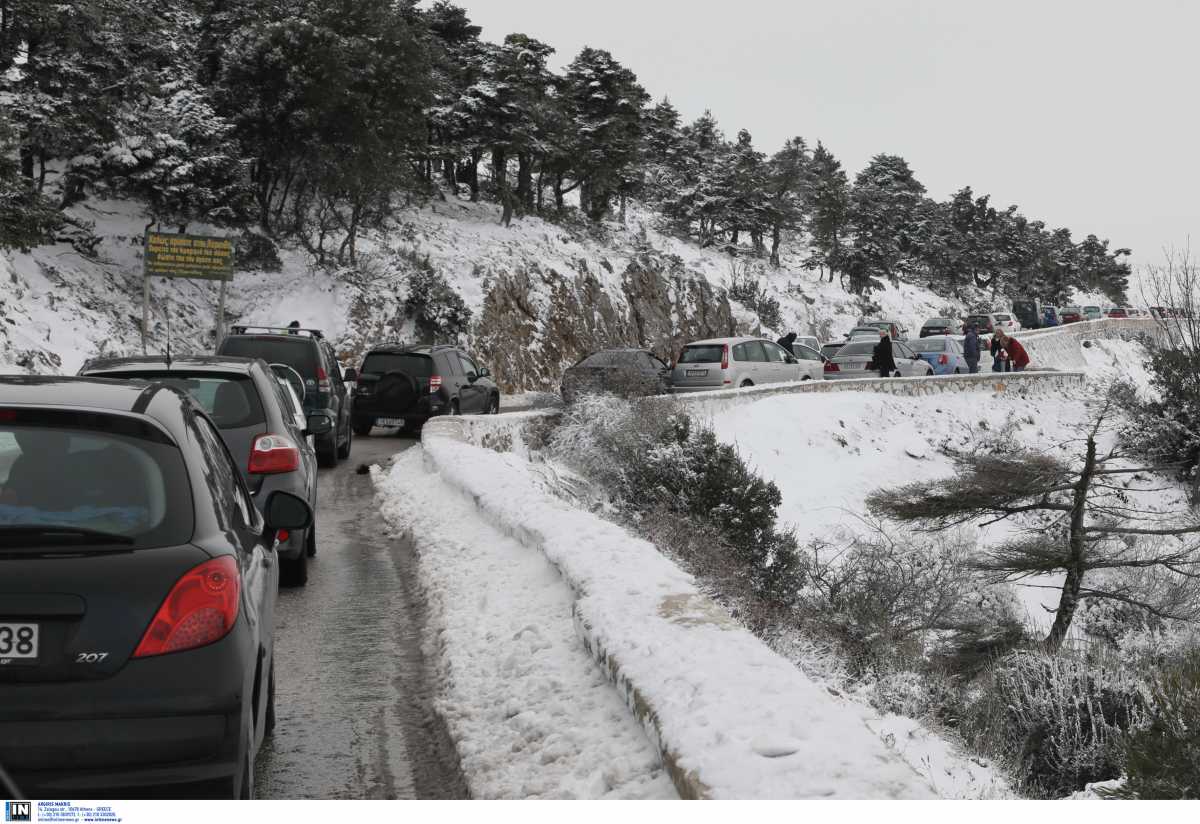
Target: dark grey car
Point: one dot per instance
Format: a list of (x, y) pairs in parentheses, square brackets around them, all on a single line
[(312, 358), (245, 400), (628, 373)]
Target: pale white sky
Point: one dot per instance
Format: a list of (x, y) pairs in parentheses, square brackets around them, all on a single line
[(1082, 113)]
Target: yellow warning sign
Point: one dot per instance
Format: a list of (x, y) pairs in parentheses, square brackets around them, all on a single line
[(188, 256)]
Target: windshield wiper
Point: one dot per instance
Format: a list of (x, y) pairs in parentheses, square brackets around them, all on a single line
[(47, 535)]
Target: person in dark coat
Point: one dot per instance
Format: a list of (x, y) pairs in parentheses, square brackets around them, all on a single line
[(1000, 362), (971, 349), (883, 355), (786, 342)]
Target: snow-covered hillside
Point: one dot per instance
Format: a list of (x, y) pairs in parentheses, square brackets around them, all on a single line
[(541, 294)]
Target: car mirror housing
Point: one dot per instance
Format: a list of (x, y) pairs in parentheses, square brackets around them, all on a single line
[(287, 511), (484, 372), (350, 375), (318, 425)]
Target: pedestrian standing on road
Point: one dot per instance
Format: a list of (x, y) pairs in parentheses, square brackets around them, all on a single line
[(999, 353), (883, 355), (1017, 356), (786, 342), (971, 349)]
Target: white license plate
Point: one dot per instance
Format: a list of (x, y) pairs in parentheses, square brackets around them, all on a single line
[(389, 421), (696, 373), (18, 641)]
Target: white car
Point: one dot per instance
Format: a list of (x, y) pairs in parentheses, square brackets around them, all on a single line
[(735, 363), (1005, 321), (857, 360)]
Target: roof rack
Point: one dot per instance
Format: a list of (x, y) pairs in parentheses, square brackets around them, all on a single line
[(278, 330)]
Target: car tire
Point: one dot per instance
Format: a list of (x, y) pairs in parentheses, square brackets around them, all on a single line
[(454, 407), (310, 541), (494, 405), (929, 373), (293, 572), (957, 371), (363, 428), (745, 384), (327, 452), (344, 452), (269, 712)]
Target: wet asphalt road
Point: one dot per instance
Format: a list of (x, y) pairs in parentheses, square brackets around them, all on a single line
[(353, 693)]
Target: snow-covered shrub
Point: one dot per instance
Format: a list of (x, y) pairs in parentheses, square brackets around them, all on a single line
[(1162, 755), (744, 287), (652, 457), (880, 594), (1056, 721), (257, 252), (438, 311)]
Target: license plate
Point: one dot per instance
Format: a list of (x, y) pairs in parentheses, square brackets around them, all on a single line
[(18, 641), (696, 373), (389, 421)]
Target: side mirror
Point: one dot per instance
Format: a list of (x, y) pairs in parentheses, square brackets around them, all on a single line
[(790, 359), (484, 372), (472, 377), (287, 511), (350, 375), (318, 425)]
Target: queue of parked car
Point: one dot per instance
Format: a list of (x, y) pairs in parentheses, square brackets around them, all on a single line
[(150, 509)]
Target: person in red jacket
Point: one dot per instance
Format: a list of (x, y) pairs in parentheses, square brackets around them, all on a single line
[(1017, 355)]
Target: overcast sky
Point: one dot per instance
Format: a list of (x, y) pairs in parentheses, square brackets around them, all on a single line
[(1082, 113)]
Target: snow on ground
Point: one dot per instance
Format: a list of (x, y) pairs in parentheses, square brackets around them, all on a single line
[(532, 714), (740, 718)]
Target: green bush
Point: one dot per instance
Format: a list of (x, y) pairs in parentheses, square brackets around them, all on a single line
[(1162, 755), (439, 312)]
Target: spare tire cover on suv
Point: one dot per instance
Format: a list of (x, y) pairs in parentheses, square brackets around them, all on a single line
[(397, 392)]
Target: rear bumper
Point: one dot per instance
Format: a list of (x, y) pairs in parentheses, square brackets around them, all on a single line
[(172, 724), (687, 390), (368, 407)]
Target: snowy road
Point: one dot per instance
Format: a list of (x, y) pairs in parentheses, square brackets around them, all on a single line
[(353, 696)]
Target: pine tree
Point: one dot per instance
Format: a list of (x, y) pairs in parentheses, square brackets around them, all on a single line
[(605, 103), (789, 188), (828, 205), (883, 218)]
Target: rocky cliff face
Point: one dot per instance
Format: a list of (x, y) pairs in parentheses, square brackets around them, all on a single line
[(537, 321)]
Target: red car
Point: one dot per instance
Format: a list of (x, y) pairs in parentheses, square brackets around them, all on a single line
[(1117, 312), (1072, 314)]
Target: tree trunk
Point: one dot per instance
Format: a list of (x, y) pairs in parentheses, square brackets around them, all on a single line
[(448, 164), (776, 237), (473, 174), (41, 184), (500, 177), (541, 192), (524, 183), (1069, 601), (27, 162)]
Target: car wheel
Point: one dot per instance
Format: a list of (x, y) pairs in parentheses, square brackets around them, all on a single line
[(327, 452), (494, 405), (269, 714), (310, 542), (929, 373), (745, 384), (363, 428), (344, 451), (293, 572), (806, 378), (454, 407), (957, 371)]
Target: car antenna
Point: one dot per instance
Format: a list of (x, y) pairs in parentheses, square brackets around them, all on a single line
[(168, 358)]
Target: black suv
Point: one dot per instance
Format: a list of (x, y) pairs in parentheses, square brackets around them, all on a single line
[(309, 355), (406, 385)]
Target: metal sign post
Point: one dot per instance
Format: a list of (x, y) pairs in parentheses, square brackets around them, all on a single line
[(198, 257)]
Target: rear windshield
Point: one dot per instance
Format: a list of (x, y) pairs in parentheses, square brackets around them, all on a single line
[(300, 354), (929, 345), (58, 476), (231, 400), (410, 363), (705, 353), (1004, 318), (861, 347), (939, 322), (830, 348)]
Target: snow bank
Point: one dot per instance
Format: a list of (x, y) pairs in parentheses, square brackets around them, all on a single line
[(530, 712), (732, 718)]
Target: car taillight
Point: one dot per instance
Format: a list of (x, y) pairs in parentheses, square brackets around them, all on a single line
[(201, 608), (323, 384), (435, 383), (725, 356), (272, 455), (943, 359), (830, 366)]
